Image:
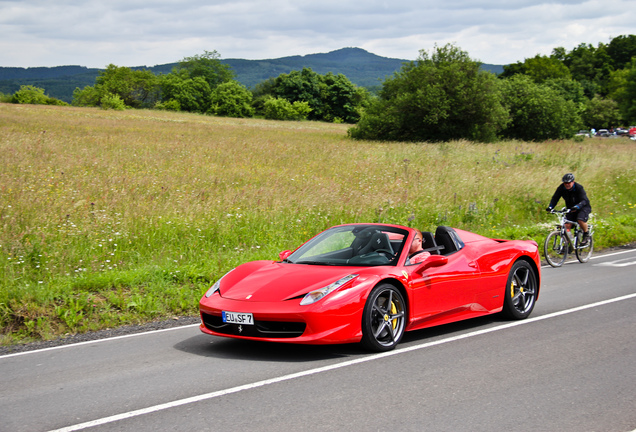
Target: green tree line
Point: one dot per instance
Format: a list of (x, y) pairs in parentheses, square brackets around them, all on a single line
[(443, 95), (203, 84)]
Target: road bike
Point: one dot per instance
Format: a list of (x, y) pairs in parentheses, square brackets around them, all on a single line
[(563, 241)]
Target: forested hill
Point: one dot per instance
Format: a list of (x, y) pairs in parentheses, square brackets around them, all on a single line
[(359, 66)]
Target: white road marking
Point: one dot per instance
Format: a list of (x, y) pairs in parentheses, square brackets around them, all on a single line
[(97, 341), (574, 261), (612, 254), (319, 370), (618, 263), (196, 325)]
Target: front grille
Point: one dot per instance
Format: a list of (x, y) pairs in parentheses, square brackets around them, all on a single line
[(264, 329)]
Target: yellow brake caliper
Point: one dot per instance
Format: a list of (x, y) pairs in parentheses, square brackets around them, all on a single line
[(393, 312), (512, 289)]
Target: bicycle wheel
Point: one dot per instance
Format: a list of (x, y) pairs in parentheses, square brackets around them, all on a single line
[(583, 253), (555, 249)]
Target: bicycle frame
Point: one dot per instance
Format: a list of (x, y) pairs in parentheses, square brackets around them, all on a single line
[(563, 241)]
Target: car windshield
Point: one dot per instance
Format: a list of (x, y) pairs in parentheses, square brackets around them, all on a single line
[(353, 245)]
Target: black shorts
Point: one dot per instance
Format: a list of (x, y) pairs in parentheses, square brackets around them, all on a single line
[(579, 215)]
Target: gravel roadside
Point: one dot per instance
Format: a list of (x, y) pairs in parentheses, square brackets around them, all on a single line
[(101, 334)]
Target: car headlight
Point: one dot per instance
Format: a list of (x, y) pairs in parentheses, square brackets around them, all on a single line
[(314, 296), (214, 288)]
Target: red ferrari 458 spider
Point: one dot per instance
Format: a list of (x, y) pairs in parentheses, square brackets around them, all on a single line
[(355, 283)]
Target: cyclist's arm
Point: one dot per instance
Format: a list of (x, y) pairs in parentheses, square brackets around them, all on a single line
[(556, 197), (582, 197)]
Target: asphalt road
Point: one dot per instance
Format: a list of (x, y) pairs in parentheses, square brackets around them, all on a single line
[(570, 367)]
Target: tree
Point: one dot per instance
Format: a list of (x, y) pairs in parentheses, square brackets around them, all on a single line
[(621, 50), (601, 113), (136, 88), (537, 111), (539, 68), (440, 97), (341, 99), (622, 89), (206, 66), (590, 66), (332, 98), (231, 99), (301, 86), (569, 89), (191, 94)]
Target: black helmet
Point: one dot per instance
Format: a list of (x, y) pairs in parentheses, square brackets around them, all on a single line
[(569, 177)]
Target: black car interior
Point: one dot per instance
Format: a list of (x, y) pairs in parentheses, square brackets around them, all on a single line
[(379, 241), (445, 241)]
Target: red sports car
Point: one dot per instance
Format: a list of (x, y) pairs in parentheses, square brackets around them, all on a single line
[(356, 283)]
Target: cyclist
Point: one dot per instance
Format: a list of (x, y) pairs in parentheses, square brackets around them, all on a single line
[(576, 201)]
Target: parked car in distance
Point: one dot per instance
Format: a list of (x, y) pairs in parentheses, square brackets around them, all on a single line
[(585, 133), (604, 133)]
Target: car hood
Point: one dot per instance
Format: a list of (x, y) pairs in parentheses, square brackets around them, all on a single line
[(267, 281)]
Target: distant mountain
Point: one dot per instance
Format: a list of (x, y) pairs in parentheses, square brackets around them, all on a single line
[(359, 66)]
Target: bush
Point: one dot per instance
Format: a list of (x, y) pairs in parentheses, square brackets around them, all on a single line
[(29, 94), (112, 101), (282, 109), (171, 105), (87, 97), (232, 99)]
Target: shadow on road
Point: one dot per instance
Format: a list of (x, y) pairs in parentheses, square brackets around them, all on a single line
[(227, 348)]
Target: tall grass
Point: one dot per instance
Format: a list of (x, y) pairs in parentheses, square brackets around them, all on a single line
[(111, 218)]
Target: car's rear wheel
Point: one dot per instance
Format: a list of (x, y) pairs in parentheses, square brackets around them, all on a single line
[(521, 291), (384, 318)]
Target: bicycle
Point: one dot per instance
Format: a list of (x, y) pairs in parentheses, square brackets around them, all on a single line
[(561, 242)]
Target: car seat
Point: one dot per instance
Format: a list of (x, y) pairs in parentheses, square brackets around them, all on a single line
[(361, 241), (379, 240), (429, 244), (448, 239)]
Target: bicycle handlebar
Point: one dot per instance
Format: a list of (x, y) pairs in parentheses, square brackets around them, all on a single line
[(563, 211)]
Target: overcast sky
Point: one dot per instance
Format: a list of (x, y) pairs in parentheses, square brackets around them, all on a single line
[(95, 33)]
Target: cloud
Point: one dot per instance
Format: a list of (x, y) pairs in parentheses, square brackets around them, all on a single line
[(141, 32)]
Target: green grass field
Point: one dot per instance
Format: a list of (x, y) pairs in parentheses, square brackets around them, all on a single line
[(112, 218)]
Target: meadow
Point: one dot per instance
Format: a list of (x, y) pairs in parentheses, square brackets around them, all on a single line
[(111, 218)]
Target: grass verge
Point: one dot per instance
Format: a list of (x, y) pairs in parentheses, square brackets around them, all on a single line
[(113, 218)]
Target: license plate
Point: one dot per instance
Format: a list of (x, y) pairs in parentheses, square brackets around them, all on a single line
[(238, 318)]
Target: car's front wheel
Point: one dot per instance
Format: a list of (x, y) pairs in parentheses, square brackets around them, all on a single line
[(521, 291), (384, 318)]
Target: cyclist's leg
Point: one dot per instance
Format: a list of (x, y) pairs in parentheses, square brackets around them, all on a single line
[(581, 218)]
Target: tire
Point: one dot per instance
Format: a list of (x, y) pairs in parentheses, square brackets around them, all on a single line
[(521, 291), (384, 318), (555, 249), (584, 253)]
